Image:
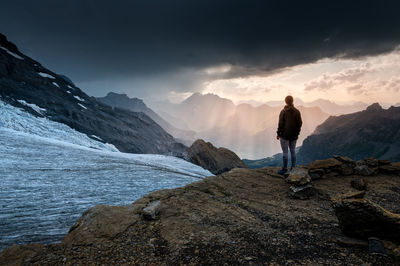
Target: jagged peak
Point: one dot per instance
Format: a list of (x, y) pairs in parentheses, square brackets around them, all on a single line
[(7, 44), (374, 107)]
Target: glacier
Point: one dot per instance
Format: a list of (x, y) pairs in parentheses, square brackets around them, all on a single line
[(50, 174)]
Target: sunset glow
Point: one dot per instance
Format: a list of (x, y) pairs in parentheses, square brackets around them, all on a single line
[(368, 79)]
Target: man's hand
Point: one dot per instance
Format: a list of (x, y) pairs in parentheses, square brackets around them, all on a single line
[(277, 137)]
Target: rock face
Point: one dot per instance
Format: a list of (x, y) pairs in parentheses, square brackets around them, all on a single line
[(374, 132), (240, 217), (362, 218), (23, 80), (216, 160)]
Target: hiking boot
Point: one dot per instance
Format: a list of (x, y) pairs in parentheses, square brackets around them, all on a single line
[(282, 171)]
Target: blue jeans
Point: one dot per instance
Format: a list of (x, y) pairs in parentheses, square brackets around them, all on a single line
[(288, 144)]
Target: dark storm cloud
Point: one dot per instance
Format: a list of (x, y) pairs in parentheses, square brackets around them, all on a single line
[(95, 40)]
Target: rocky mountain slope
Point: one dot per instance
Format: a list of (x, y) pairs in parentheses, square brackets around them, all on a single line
[(374, 132), (241, 217), (248, 131), (137, 105), (26, 84)]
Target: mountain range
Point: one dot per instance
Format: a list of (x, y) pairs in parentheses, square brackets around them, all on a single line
[(26, 84), (247, 130), (117, 100), (326, 106)]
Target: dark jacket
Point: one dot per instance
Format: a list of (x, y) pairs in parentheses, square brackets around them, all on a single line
[(289, 123)]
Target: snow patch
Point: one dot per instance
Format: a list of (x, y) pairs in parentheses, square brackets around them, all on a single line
[(45, 75), (96, 137), (84, 107), (11, 53), (68, 92), (79, 98), (33, 106), (69, 86), (55, 84), (17, 120)]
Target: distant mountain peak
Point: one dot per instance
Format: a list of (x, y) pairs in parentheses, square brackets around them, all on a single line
[(374, 107), (114, 94)]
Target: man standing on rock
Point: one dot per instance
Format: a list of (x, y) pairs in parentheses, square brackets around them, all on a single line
[(288, 131)]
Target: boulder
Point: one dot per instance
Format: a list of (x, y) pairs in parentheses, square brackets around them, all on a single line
[(376, 246), (301, 192), (347, 169), (216, 160), (298, 177), (361, 218), (324, 164), (316, 173), (152, 210), (359, 183), (363, 170)]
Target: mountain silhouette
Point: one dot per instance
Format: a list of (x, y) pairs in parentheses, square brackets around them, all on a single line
[(374, 132), (137, 105)]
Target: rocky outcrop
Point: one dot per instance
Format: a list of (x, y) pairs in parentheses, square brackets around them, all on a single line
[(216, 160), (240, 217), (344, 166), (23, 80), (362, 218), (101, 222)]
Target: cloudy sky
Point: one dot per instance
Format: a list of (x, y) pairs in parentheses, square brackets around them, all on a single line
[(243, 50)]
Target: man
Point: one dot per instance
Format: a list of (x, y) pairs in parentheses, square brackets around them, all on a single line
[(288, 131)]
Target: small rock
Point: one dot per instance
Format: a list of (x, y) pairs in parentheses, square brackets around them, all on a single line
[(316, 174), (376, 246), (151, 211), (359, 183), (301, 192), (363, 170), (298, 177), (371, 162), (344, 159), (347, 169), (351, 242)]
